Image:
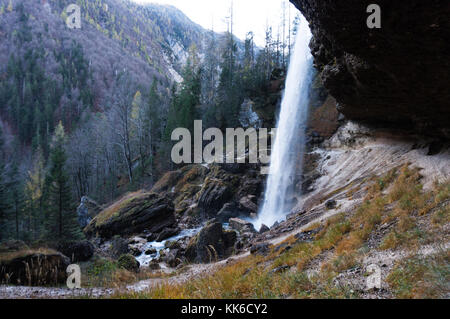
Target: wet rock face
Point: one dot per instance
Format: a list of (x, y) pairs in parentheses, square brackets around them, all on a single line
[(323, 121), (167, 233), (222, 187), (396, 75)]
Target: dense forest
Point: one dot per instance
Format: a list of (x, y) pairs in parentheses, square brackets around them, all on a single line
[(90, 112)]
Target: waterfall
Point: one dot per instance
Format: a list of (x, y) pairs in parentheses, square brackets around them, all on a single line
[(288, 150)]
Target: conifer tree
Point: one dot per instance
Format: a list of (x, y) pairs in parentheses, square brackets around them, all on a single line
[(16, 198), (183, 109), (229, 89), (190, 93), (61, 212), (153, 123), (4, 207), (34, 193)]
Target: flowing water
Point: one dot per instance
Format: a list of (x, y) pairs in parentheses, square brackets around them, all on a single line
[(287, 153), (145, 259), (156, 247)]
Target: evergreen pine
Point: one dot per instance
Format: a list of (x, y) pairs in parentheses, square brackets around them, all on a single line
[(4, 207), (61, 212), (16, 199)]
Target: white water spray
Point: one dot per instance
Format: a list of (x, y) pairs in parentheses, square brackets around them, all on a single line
[(288, 150)]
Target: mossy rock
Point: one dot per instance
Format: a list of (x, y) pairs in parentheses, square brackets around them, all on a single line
[(191, 175), (132, 214), (128, 262), (165, 183), (178, 180)]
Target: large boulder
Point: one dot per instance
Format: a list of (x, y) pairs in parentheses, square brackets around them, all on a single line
[(77, 250), (33, 268), (167, 182), (133, 214), (210, 244), (200, 192), (167, 233), (251, 184), (173, 257), (118, 246), (395, 75), (241, 225), (247, 203)]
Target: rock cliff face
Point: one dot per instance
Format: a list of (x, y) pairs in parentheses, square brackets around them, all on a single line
[(396, 75)]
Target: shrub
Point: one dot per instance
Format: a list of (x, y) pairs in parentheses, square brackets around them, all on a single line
[(128, 262)]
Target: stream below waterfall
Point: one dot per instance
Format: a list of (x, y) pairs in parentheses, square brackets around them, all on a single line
[(145, 259), (156, 247)]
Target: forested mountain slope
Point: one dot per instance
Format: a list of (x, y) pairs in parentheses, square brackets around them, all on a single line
[(92, 109), (78, 67)]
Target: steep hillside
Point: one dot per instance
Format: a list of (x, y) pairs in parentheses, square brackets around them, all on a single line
[(61, 72)]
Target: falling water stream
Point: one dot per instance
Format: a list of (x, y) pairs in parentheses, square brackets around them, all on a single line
[(288, 150)]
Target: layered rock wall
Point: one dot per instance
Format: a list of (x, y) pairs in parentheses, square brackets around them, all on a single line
[(393, 76)]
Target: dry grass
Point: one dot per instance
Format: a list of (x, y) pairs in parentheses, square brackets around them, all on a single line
[(312, 227), (103, 272), (115, 208), (441, 216), (37, 267), (411, 205), (8, 256), (419, 277)]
